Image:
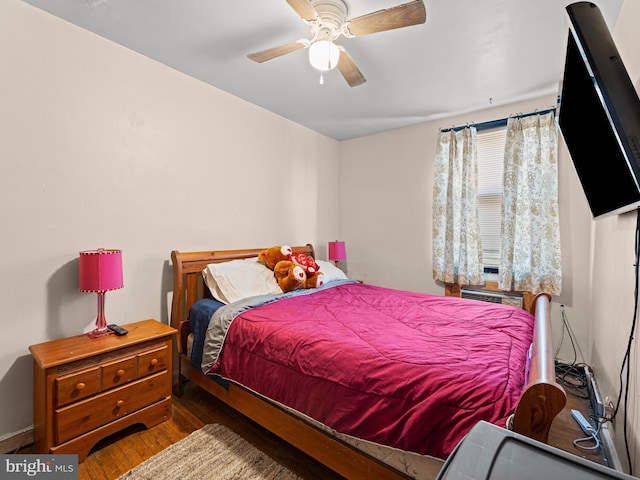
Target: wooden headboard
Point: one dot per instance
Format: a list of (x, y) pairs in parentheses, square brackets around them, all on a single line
[(189, 286)]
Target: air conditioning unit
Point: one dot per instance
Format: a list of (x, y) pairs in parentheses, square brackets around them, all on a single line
[(513, 299)]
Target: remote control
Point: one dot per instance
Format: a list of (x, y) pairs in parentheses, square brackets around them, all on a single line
[(117, 329), (584, 424)]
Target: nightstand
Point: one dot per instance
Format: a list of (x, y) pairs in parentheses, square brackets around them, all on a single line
[(86, 389)]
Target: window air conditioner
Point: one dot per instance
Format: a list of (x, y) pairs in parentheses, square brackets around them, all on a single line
[(513, 299)]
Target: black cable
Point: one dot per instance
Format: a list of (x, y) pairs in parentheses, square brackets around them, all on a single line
[(571, 375), (627, 355), (633, 328), (565, 326)]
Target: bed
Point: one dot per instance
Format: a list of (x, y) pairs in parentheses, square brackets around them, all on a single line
[(371, 423)]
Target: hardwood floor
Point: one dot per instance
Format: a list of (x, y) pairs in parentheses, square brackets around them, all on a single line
[(565, 430), (196, 408)]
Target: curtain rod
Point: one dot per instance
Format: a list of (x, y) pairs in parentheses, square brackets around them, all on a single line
[(502, 122)]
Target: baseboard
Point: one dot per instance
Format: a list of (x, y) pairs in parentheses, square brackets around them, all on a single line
[(15, 441), (610, 451)]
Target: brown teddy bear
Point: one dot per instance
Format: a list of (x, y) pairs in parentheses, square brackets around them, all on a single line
[(289, 275)]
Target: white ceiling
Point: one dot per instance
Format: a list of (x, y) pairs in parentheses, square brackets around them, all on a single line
[(468, 55)]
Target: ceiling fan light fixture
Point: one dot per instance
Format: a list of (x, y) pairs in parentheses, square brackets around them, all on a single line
[(324, 55), (327, 21)]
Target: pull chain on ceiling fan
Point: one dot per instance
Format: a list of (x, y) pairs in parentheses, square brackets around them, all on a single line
[(327, 20)]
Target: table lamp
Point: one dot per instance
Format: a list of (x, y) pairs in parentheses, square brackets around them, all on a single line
[(337, 251), (100, 270)]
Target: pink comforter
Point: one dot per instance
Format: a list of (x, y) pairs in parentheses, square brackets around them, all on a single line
[(408, 370)]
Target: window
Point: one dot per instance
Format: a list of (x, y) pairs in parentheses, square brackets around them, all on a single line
[(490, 150), (531, 235)]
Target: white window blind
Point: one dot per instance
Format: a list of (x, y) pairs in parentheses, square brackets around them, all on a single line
[(490, 149)]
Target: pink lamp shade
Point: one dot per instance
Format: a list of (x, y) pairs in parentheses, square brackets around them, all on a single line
[(99, 271), (337, 251)]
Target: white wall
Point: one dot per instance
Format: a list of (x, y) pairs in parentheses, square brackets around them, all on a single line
[(385, 214), (102, 147), (613, 278)]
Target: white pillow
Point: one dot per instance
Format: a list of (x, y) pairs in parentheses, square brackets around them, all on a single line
[(330, 271), (238, 279)]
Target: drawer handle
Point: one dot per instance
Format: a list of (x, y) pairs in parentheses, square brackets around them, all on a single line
[(120, 373), (80, 386), (119, 403), (154, 362)]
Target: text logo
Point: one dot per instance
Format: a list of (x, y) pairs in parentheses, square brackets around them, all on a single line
[(36, 466)]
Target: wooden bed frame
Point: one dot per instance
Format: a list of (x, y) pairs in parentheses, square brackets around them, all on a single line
[(541, 401)]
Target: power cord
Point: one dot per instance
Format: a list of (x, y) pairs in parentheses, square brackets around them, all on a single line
[(593, 437), (566, 326), (627, 356), (571, 375)]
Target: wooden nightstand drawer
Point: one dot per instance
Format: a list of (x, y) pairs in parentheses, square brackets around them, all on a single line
[(84, 416), (77, 386), (118, 373), (153, 361), (85, 389)]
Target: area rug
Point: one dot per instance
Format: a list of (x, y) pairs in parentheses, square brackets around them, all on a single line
[(213, 452)]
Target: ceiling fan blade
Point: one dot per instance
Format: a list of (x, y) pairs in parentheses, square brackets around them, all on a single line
[(349, 70), (406, 15), (274, 52), (304, 9)]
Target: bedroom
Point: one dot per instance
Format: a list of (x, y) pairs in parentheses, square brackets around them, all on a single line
[(75, 104)]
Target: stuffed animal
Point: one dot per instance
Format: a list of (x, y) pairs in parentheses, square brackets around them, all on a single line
[(305, 261), (271, 256), (314, 277), (314, 281), (292, 271), (288, 275)]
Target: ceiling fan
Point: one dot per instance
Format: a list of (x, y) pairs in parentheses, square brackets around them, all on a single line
[(327, 20)]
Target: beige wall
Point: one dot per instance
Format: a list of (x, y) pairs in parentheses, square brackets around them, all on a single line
[(613, 262), (385, 215), (103, 147)]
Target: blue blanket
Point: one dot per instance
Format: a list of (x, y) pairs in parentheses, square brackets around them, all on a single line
[(199, 316)]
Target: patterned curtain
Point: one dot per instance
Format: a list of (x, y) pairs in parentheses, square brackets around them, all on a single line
[(530, 249), (457, 252)]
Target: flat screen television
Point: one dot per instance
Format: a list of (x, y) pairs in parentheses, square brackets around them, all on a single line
[(599, 114)]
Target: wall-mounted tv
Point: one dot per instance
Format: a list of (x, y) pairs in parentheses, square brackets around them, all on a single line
[(599, 114)]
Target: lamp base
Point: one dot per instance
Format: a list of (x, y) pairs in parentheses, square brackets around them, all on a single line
[(101, 329), (99, 332)]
